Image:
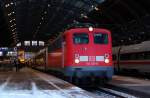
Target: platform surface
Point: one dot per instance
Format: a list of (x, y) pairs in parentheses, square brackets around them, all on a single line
[(134, 84), (29, 83)]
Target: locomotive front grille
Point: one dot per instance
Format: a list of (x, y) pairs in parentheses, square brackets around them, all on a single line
[(91, 58)]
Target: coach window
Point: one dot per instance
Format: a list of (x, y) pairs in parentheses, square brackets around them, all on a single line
[(133, 56), (124, 56), (80, 38), (100, 38), (147, 55), (140, 56)]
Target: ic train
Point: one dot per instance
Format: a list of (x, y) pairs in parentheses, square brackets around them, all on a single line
[(79, 52), (132, 58)]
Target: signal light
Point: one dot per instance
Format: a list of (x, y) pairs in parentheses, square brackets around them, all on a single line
[(106, 55)]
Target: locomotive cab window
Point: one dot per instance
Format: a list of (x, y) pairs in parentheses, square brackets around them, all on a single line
[(100, 38), (80, 38)]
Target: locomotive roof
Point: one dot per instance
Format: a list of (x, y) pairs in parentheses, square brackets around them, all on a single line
[(77, 30)]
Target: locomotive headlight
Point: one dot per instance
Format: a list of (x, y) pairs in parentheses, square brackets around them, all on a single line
[(77, 60), (106, 60), (90, 28)]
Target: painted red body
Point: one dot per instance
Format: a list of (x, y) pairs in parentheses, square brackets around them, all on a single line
[(90, 55), (55, 58)]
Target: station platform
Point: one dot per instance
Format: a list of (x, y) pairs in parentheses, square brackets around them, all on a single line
[(139, 87), (29, 83)]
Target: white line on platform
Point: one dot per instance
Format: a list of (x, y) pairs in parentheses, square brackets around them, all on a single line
[(5, 83), (51, 83)]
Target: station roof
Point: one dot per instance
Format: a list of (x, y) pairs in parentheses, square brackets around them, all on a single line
[(45, 19)]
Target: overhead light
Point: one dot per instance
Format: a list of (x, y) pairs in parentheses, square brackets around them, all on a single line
[(13, 29), (9, 14), (11, 3), (12, 20), (85, 16), (82, 14), (34, 43), (27, 43), (14, 33), (48, 5), (96, 8), (45, 12), (12, 25), (19, 44), (41, 43), (92, 6), (7, 5), (1, 53)]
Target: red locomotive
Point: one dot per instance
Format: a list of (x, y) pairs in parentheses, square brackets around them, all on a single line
[(82, 52)]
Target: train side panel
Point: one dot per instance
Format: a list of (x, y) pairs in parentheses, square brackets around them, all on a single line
[(132, 58), (55, 59)]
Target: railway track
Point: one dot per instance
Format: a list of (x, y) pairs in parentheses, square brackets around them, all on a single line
[(105, 92)]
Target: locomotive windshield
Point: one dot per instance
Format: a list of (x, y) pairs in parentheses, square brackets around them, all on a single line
[(100, 38), (81, 38)]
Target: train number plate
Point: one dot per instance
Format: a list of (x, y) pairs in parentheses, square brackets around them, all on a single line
[(92, 63), (92, 58)]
